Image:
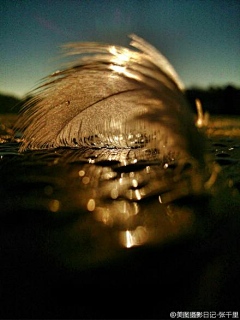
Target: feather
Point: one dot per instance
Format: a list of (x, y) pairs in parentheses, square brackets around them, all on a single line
[(111, 97)]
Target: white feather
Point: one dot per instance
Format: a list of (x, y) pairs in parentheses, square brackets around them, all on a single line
[(114, 97)]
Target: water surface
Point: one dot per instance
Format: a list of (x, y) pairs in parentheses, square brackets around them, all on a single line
[(101, 221)]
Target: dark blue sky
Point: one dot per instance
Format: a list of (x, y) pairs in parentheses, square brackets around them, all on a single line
[(201, 38)]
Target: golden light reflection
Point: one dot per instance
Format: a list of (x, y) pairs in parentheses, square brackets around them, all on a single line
[(54, 205), (147, 169), (136, 207), (109, 175), (138, 195), (81, 173), (85, 180), (103, 215), (126, 209), (134, 183), (129, 194), (118, 69), (118, 212), (143, 192), (129, 239), (56, 161), (132, 238), (160, 199), (123, 70), (124, 162), (91, 205), (134, 161), (120, 58), (114, 193), (131, 175), (122, 207)]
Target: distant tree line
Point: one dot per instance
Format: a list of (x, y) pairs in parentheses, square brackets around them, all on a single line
[(10, 104), (215, 100)]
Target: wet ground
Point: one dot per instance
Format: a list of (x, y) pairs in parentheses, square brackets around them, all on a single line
[(108, 234)]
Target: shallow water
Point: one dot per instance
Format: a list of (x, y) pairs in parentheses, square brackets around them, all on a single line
[(98, 218)]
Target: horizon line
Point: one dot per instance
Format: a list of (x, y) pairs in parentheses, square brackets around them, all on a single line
[(191, 87)]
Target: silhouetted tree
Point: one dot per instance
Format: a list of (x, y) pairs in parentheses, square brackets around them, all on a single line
[(11, 104)]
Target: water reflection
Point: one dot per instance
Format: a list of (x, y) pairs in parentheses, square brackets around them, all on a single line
[(115, 188), (100, 216), (135, 237)]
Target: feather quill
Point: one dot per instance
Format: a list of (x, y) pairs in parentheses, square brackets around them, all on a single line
[(111, 97)]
